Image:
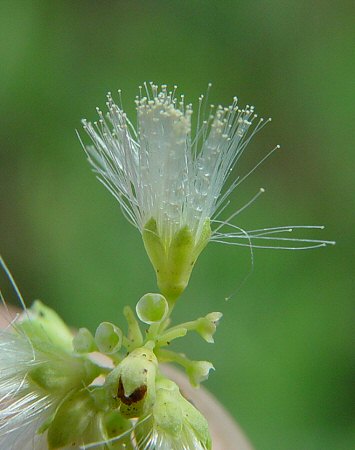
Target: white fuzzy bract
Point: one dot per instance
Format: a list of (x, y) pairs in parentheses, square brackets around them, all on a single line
[(22, 408)]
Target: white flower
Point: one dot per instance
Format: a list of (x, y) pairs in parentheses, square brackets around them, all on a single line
[(163, 171), (170, 182), (160, 171)]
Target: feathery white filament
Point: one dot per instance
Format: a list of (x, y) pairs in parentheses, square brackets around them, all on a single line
[(22, 409), (160, 171)]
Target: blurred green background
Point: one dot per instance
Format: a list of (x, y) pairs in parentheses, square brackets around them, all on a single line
[(283, 350)]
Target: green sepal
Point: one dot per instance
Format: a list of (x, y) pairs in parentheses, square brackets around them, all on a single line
[(71, 421), (134, 335), (43, 324), (175, 418), (46, 424), (173, 262), (153, 244), (167, 411), (114, 425), (62, 373), (196, 421), (204, 238)]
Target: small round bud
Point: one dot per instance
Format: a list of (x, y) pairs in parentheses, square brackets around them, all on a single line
[(152, 308), (84, 342), (108, 338)]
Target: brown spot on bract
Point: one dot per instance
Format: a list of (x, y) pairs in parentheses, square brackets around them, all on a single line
[(136, 396)]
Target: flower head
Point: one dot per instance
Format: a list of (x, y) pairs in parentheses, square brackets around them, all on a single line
[(160, 171), (169, 181)]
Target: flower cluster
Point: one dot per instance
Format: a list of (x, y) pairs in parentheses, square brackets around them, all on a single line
[(56, 395), (106, 390)]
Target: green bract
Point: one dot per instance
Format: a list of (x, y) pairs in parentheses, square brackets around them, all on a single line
[(43, 324), (62, 373), (132, 383), (175, 421), (71, 421)]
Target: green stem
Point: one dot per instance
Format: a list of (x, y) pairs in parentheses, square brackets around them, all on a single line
[(190, 326), (170, 335), (170, 356), (153, 331), (171, 303)]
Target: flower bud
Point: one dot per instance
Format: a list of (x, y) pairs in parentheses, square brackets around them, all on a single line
[(206, 326), (198, 371), (83, 341), (108, 338), (152, 308), (132, 383)]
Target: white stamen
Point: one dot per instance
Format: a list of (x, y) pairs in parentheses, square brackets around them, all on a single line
[(160, 171)]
